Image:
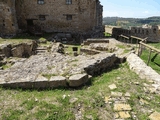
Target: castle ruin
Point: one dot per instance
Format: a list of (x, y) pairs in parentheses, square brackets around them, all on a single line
[(152, 33)]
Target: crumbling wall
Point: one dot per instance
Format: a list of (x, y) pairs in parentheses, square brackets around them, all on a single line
[(152, 33), (8, 21)]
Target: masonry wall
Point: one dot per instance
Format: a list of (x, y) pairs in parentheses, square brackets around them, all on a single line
[(152, 33), (84, 15), (8, 21)]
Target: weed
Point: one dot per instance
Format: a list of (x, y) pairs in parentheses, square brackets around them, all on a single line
[(48, 76)]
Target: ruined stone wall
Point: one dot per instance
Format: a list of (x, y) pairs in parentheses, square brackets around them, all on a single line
[(8, 21), (84, 15), (152, 33)]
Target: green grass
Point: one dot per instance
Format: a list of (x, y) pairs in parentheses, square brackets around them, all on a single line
[(69, 49), (55, 104), (156, 63), (107, 34)]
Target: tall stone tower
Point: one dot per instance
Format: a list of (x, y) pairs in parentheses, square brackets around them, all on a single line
[(8, 20)]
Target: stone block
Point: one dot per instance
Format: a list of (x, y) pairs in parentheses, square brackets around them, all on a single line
[(41, 82), (57, 81), (155, 116), (78, 80), (122, 107)]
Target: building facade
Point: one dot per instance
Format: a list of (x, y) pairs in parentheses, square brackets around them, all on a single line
[(74, 16)]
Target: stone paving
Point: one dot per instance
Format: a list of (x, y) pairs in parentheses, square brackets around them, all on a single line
[(122, 109)]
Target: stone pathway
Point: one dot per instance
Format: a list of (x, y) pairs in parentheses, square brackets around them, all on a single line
[(122, 109), (120, 106)]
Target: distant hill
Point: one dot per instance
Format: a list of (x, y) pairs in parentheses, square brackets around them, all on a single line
[(126, 22)]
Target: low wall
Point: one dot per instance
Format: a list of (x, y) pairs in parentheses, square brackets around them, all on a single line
[(140, 68), (89, 41)]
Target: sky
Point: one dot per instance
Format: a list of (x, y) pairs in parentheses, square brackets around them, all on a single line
[(131, 8)]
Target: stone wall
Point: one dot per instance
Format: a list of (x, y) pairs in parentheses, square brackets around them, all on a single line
[(8, 21), (82, 17), (139, 67), (152, 32), (57, 16)]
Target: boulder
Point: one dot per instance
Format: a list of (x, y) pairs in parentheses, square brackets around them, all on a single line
[(6, 49), (18, 50), (78, 80), (57, 47)]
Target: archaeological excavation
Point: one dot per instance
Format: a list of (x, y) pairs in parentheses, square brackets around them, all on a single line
[(51, 68)]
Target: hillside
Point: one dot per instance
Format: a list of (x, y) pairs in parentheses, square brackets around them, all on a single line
[(126, 22)]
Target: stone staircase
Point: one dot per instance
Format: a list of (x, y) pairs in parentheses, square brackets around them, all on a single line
[(41, 50)]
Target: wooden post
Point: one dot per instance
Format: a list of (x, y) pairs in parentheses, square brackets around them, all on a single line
[(139, 49), (149, 56)]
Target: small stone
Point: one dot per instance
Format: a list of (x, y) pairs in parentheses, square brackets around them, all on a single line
[(116, 115), (118, 78), (120, 107), (136, 83), (156, 86), (73, 100), (36, 100), (116, 94), (146, 85), (152, 90), (127, 94), (64, 96), (150, 81), (155, 116), (107, 99), (112, 87), (90, 117), (124, 115), (142, 102)]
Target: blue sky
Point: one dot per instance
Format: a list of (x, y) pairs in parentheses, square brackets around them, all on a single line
[(131, 8)]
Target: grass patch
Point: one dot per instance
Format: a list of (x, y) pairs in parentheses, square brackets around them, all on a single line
[(156, 63), (48, 76), (6, 66), (69, 49), (107, 34)]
